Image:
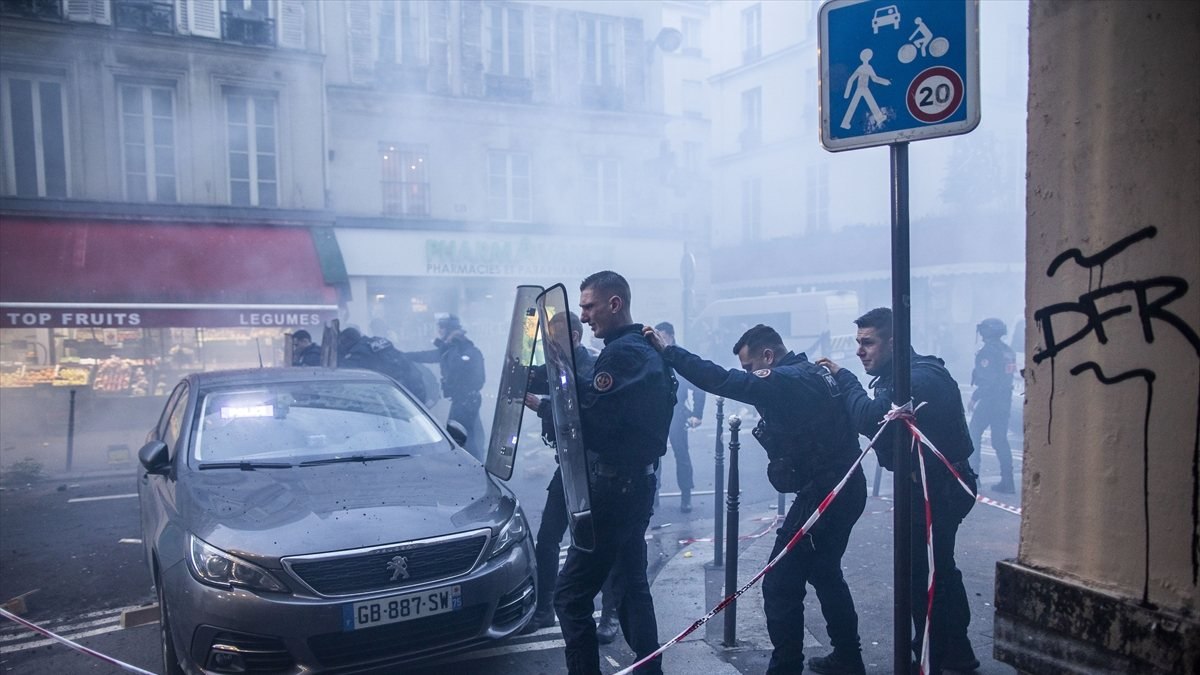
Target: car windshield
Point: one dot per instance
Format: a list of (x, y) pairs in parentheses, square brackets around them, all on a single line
[(294, 422)]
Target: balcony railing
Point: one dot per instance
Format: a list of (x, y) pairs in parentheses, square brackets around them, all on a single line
[(248, 28), (32, 9), (147, 16)]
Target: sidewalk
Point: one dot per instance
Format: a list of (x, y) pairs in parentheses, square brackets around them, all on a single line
[(687, 587)]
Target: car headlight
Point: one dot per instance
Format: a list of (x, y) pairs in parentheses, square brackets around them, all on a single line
[(512, 532), (214, 566)]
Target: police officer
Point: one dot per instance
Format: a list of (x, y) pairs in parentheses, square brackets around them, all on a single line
[(943, 422), (625, 410), (685, 417), (304, 352), (356, 350), (461, 364), (811, 445), (991, 402), (554, 514)]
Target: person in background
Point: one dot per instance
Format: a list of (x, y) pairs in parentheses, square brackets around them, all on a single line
[(944, 424), (685, 417), (991, 402), (461, 364), (356, 350), (305, 352)]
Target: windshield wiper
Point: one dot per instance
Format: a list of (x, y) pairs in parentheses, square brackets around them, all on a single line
[(353, 458), (246, 465)]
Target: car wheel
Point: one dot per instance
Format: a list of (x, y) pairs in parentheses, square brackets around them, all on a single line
[(170, 657)]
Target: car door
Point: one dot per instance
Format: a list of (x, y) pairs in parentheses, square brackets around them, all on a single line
[(157, 491)]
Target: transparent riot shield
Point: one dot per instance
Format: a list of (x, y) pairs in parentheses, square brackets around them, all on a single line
[(514, 382), (564, 397)]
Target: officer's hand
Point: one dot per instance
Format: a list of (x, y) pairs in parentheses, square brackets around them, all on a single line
[(654, 338), (532, 402), (693, 422), (829, 364)]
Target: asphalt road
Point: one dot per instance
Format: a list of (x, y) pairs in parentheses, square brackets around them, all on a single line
[(77, 547)]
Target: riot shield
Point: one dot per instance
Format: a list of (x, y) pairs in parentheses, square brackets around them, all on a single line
[(514, 382), (564, 397)]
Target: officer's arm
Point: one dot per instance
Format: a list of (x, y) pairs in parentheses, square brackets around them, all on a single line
[(538, 381), (424, 356), (865, 412), (735, 384)]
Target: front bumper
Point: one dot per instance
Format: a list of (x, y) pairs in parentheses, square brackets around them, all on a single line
[(294, 633)]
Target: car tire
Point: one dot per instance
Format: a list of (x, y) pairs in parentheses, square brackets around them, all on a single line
[(170, 656)]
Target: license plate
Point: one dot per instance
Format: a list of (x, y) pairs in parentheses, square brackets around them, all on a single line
[(370, 613)]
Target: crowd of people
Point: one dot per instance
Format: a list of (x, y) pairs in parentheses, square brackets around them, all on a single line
[(643, 391)]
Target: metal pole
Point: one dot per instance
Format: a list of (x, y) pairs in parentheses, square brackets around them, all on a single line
[(719, 487), (71, 431), (878, 478), (731, 526), (901, 393)]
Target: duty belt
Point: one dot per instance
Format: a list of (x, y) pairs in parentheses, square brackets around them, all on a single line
[(623, 470)]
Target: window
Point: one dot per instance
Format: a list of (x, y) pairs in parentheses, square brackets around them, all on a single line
[(250, 22), (35, 134), (602, 190), (402, 32), (148, 142), (693, 155), (509, 187), (817, 200), (504, 38), (151, 16), (253, 179), (691, 36), (693, 98), (405, 180), (752, 208), (751, 134), (600, 55), (751, 33)]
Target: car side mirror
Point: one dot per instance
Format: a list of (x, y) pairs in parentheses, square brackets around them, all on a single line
[(154, 457), (457, 432)]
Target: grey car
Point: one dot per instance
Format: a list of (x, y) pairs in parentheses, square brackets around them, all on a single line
[(304, 519)]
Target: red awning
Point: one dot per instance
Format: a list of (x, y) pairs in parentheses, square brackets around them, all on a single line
[(72, 274)]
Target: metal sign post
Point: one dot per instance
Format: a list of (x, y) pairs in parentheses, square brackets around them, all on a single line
[(895, 71)]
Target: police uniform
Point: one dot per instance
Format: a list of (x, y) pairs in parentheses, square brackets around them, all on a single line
[(309, 356), (995, 364), (805, 430), (625, 410), (461, 364), (679, 437), (944, 424)]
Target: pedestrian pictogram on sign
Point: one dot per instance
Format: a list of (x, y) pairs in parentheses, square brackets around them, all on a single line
[(897, 70)]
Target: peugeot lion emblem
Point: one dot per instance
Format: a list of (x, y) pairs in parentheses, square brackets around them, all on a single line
[(398, 566)]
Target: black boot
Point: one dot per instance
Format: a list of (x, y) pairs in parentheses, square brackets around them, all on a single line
[(838, 663), (685, 501), (607, 629)]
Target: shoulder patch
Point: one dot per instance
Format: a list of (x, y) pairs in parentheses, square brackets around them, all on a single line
[(602, 381), (762, 372)]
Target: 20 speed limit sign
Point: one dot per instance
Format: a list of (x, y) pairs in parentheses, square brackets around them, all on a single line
[(935, 94)]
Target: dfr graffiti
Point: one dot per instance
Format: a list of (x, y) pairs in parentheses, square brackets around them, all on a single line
[(1088, 313)]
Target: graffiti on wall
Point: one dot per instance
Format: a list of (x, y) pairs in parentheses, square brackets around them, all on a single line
[(1064, 324)]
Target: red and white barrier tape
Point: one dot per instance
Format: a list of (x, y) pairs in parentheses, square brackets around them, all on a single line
[(73, 645), (804, 529)]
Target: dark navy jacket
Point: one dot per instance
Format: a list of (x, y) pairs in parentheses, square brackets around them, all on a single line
[(461, 364), (627, 404), (585, 360), (309, 356), (995, 364), (941, 419), (796, 399)]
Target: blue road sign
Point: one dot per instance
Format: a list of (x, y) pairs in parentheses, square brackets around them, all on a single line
[(897, 70)]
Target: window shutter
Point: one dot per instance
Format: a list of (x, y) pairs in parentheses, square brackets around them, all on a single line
[(439, 47), (204, 18), (291, 24), (359, 38), (88, 11), (543, 54), (181, 16), (635, 65), (472, 48)]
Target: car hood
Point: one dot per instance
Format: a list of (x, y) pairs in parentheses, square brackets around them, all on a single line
[(266, 514)]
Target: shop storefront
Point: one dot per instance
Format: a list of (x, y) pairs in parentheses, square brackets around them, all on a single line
[(119, 311)]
